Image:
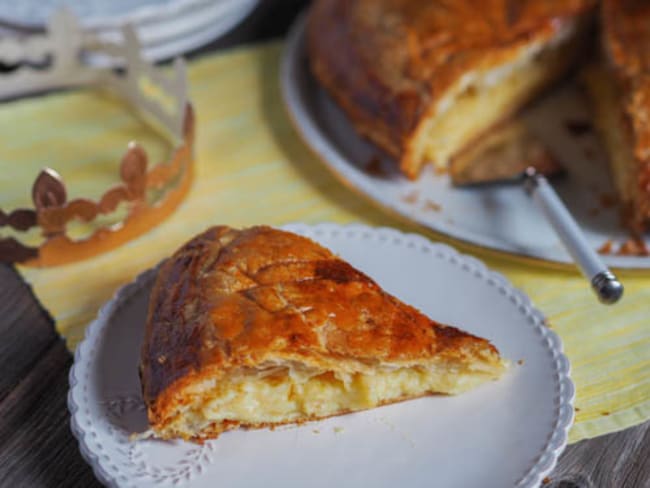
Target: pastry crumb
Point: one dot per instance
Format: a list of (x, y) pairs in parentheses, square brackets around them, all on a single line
[(606, 248), (608, 200), (139, 436), (411, 197), (433, 206), (338, 430), (374, 167), (520, 362), (546, 481), (576, 409), (605, 414), (633, 247), (316, 431), (578, 127)]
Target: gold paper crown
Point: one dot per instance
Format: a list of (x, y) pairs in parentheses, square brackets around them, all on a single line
[(78, 58)]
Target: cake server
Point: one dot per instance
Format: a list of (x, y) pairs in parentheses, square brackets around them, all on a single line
[(514, 154), (604, 283)]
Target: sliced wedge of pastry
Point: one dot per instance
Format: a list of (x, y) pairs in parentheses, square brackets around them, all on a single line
[(260, 327)]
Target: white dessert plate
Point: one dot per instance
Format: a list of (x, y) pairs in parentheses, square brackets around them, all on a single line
[(501, 218), (503, 434)]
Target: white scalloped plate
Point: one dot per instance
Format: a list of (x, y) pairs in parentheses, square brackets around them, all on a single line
[(499, 217), (506, 433)]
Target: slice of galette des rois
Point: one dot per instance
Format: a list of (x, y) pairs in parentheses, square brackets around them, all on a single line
[(261, 327)]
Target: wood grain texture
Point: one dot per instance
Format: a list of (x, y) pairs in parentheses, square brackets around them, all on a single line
[(24, 326), (616, 460), (36, 445), (37, 448)]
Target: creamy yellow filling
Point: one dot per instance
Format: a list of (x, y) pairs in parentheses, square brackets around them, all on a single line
[(290, 397), (483, 98), (480, 106)]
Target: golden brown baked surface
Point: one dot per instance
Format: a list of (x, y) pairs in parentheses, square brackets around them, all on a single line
[(390, 63), (229, 302), (626, 42)]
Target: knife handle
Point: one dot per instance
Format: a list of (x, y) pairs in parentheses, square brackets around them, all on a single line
[(606, 286)]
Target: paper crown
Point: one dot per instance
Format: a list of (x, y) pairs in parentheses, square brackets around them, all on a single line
[(67, 56)]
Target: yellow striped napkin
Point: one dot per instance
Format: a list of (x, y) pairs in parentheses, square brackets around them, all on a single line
[(252, 168)]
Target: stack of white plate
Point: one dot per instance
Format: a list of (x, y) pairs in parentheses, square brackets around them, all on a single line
[(166, 28)]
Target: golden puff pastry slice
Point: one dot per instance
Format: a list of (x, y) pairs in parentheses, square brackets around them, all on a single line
[(261, 327)]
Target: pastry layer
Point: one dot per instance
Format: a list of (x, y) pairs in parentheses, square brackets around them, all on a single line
[(280, 396)]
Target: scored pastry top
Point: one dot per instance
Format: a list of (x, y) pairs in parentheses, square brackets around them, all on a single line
[(233, 299)]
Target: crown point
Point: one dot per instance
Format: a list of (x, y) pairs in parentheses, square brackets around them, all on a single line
[(133, 169), (48, 190), (188, 121)]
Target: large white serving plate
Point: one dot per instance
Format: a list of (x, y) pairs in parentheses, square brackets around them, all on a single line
[(503, 434), (501, 217)]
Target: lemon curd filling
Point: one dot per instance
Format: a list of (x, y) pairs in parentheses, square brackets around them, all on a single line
[(287, 396)]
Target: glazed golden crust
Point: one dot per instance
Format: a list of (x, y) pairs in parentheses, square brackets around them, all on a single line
[(231, 299), (387, 63), (626, 41)]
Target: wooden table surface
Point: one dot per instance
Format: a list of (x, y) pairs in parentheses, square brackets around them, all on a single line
[(37, 448)]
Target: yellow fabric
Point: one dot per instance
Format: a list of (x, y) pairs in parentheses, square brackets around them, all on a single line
[(252, 168)]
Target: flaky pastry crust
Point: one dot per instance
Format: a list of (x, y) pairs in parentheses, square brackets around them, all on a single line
[(234, 300)]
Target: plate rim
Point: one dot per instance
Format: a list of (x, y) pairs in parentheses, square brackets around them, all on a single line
[(321, 146), (556, 439), (184, 45), (143, 13)]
